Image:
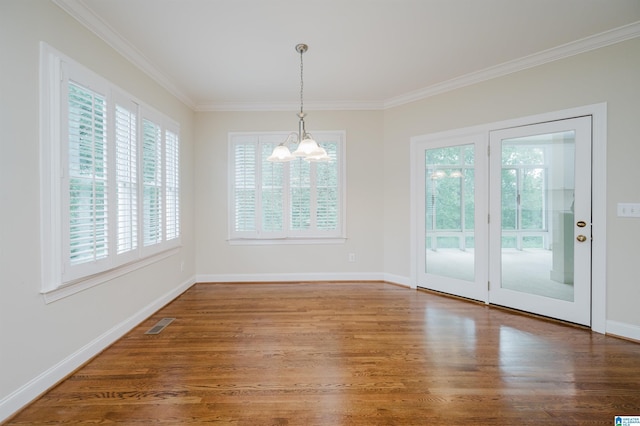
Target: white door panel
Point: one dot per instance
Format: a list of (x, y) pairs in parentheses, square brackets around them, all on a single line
[(540, 209), (452, 234)]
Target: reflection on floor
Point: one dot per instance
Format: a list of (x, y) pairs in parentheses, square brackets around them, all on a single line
[(522, 270)]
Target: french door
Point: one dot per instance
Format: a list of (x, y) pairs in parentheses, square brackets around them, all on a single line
[(540, 239), (506, 218), (453, 216)]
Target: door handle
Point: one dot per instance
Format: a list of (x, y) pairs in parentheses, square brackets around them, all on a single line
[(581, 224), (581, 238)]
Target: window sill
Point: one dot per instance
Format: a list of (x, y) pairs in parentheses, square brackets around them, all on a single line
[(82, 284), (285, 241)]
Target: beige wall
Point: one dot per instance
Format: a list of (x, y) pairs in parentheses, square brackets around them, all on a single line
[(606, 75), (214, 255), (34, 336)]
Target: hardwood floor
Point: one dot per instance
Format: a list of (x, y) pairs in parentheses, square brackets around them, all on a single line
[(347, 354)]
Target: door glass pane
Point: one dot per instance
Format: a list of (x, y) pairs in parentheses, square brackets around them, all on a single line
[(537, 214), (450, 209)]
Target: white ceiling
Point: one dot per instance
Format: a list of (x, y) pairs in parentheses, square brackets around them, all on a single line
[(370, 54)]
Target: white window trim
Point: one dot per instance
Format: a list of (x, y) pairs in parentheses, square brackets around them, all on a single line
[(75, 287), (51, 196), (300, 239)]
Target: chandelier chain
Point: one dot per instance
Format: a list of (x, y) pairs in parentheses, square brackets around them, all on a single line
[(301, 83)]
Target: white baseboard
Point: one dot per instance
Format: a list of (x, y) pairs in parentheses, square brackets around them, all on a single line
[(287, 277), (31, 390), (398, 279), (628, 331)]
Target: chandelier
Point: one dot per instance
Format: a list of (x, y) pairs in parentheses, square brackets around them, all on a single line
[(307, 148)]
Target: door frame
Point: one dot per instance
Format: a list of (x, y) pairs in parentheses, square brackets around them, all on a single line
[(598, 112)]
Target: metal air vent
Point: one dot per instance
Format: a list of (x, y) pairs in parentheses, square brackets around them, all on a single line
[(160, 325)]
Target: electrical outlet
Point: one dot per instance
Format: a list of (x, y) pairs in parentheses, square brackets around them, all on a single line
[(628, 209), (352, 257)]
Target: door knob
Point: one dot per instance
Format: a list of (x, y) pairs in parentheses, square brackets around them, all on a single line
[(581, 238), (581, 224)]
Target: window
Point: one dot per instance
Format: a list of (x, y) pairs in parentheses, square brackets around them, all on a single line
[(127, 177), (110, 178), (85, 186), (284, 202), (450, 201), (524, 195), (152, 183), (172, 185), (450, 204)]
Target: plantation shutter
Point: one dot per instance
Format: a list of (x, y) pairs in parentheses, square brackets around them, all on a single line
[(244, 186), (172, 185), (87, 176), (327, 191), (272, 191), (300, 193), (126, 178), (152, 183)]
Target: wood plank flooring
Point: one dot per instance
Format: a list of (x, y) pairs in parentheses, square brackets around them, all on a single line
[(347, 354)]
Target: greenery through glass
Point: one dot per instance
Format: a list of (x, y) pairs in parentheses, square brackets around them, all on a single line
[(524, 195), (450, 211)]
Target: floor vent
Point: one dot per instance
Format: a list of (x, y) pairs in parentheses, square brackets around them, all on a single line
[(160, 325)]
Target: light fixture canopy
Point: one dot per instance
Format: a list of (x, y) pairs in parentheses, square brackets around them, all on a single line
[(307, 148)]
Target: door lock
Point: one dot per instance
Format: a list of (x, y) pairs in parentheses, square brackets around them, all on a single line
[(581, 238), (581, 224)]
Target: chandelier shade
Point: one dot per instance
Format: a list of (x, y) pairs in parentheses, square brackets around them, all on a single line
[(280, 154), (305, 147), (318, 154)]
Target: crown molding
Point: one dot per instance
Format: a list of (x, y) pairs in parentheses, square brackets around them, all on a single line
[(292, 106), (78, 10), (587, 44), (81, 13)]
